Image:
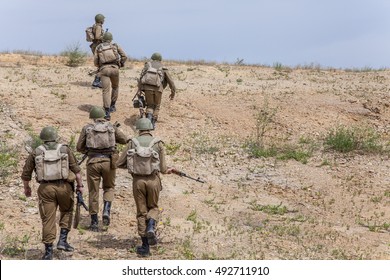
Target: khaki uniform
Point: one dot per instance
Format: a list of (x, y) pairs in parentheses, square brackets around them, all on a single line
[(100, 165), (153, 94), (98, 32), (146, 189), (109, 74), (53, 194)]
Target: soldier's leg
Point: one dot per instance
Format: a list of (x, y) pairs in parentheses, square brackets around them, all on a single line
[(157, 100), (65, 198), (108, 175), (115, 88), (47, 210), (149, 98), (93, 182), (153, 188), (139, 194), (106, 88)]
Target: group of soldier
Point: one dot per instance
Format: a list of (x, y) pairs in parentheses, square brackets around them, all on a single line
[(57, 170)]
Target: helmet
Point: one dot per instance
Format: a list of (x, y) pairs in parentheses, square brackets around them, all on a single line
[(107, 37), (48, 133), (156, 56), (96, 113), (143, 124), (99, 18)]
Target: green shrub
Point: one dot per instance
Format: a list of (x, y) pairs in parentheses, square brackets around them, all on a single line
[(76, 57)]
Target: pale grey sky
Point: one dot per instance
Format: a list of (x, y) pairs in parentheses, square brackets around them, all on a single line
[(332, 33)]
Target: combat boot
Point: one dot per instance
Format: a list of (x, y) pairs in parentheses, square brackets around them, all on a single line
[(94, 223), (63, 243), (154, 120), (143, 250), (150, 234), (149, 116), (112, 107), (107, 116), (48, 252), (106, 213), (97, 82)]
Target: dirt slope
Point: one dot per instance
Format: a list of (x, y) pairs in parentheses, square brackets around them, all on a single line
[(330, 206)]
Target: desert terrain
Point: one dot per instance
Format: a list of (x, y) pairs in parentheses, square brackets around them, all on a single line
[(259, 136)]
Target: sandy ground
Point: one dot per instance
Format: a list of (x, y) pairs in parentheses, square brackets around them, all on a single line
[(331, 206)]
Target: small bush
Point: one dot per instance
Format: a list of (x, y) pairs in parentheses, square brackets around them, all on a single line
[(8, 161), (76, 57)]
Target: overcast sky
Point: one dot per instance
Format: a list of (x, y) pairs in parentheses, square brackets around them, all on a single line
[(332, 33)]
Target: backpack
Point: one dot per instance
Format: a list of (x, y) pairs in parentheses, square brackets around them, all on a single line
[(51, 164), (107, 53), (143, 160), (100, 135), (152, 76), (89, 34)]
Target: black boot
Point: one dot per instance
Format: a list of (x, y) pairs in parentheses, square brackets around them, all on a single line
[(143, 250), (63, 243), (106, 213), (94, 223), (97, 82), (154, 120), (48, 252), (149, 116), (150, 234), (112, 107), (107, 116)]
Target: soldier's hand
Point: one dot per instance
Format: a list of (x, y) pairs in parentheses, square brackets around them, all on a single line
[(171, 96), (27, 191), (79, 189), (169, 170)]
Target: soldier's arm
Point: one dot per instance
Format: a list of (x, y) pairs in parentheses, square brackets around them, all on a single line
[(28, 169), (163, 164), (98, 32), (170, 82), (96, 58), (123, 55), (122, 160), (120, 136), (81, 142), (75, 168)]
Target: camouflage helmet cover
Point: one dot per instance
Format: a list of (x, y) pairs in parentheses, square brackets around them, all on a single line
[(107, 37), (48, 133), (156, 56), (143, 124), (96, 113), (99, 18)]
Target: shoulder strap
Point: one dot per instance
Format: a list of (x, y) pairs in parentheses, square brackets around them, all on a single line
[(154, 141), (135, 141)]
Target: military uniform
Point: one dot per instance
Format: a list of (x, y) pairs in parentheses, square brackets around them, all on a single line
[(146, 190), (153, 94), (100, 165), (109, 74), (97, 30), (53, 194)]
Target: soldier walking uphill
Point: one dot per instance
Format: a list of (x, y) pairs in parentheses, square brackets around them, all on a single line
[(98, 140), (145, 170), (95, 35), (56, 169), (109, 57), (153, 80)]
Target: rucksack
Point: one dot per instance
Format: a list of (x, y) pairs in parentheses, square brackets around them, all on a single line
[(89, 34), (107, 53), (143, 160), (100, 135), (152, 76), (51, 164)]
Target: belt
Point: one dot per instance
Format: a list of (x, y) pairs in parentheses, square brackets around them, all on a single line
[(52, 181), (99, 156)]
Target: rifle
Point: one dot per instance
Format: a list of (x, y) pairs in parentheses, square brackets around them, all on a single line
[(82, 159), (139, 102), (93, 72), (80, 202), (182, 174)]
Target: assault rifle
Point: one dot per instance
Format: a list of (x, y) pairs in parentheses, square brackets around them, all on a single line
[(182, 174), (93, 72), (80, 202), (139, 102), (82, 159)]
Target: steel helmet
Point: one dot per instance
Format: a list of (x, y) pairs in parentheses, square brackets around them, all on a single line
[(48, 133), (99, 18), (143, 124), (156, 56), (96, 113), (107, 37)]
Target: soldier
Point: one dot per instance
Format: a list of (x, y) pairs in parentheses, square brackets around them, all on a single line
[(98, 140), (109, 57), (97, 31), (56, 169), (153, 80), (146, 180)]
